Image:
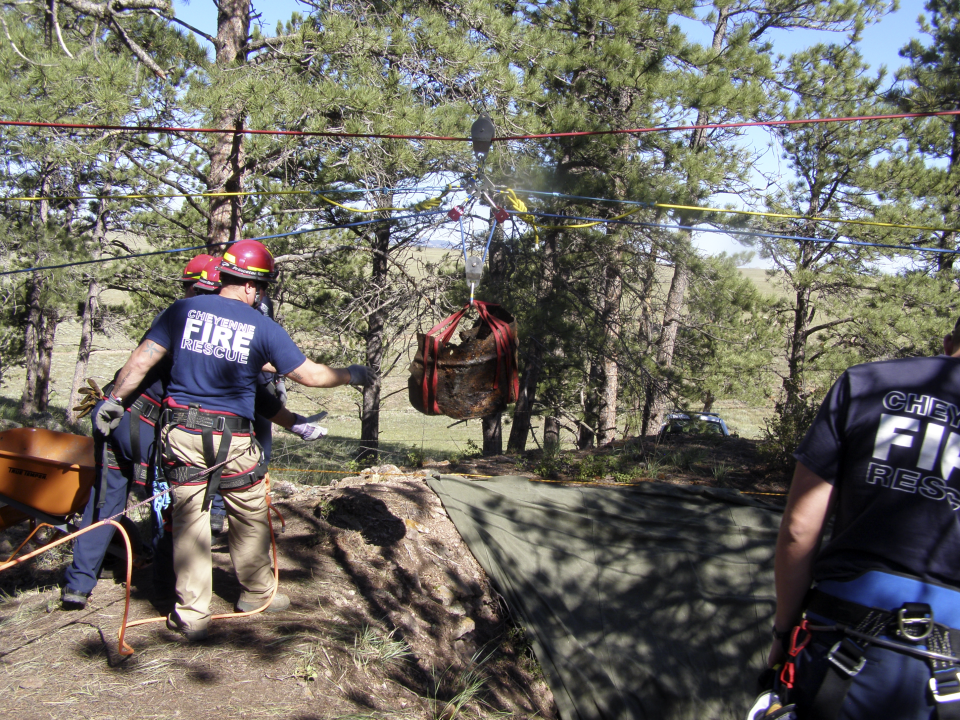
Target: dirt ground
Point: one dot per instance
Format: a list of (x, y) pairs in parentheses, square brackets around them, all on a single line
[(391, 615)]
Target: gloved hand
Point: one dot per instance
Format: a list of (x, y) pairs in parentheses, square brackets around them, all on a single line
[(281, 390), (361, 375), (307, 430), (109, 415)]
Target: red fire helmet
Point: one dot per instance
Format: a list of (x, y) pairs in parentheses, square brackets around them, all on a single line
[(191, 273), (210, 277), (248, 260)]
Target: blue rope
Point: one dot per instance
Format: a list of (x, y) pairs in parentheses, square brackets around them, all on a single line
[(753, 233), (175, 251)]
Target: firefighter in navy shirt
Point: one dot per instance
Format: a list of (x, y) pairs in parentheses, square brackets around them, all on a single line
[(128, 459), (877, 636), (219, 344)]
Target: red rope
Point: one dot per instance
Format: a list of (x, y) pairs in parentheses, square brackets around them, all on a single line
[(635, 131), (231, 131), (717, 126)]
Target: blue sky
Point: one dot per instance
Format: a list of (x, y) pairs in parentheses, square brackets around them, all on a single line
[(880, 46)]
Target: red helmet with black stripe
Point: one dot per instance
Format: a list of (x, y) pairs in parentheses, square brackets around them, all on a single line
[(248, 260), (191, 273), (210, 277)]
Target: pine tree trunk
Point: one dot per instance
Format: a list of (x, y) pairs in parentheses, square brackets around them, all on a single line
[(590, 402), (370, 418), (607, 410), (51, 319), (523, 411), (655, 409), (83, 351), (551, 435), (33, 329), (492, 435), (533, 365), (226, 170)]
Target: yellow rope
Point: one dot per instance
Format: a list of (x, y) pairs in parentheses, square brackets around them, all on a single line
[(521, 207), (490, 477)]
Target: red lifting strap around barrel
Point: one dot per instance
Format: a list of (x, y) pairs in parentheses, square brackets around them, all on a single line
[(440, 335)]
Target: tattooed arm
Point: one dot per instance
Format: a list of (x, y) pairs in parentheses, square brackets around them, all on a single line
[(147, 354)]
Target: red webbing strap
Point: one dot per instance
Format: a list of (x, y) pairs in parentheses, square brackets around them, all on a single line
[(504, 339), (431, 352)]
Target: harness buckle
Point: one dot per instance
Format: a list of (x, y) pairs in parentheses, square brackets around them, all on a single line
[(847, 657), (949, 689), (192, 416), (221, 423), (915, 614)]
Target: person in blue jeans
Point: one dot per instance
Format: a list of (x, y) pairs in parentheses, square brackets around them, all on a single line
[(119, 465)]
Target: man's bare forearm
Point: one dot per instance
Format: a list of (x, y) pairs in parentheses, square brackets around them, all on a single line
[(314, 374), (147, 354)]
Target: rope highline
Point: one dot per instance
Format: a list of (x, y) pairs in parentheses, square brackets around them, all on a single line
[(532, 136)]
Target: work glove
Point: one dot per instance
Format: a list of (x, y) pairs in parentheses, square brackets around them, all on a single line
[(281, 390), (109, 415), (362, 375), (307, 430), (89, 397)]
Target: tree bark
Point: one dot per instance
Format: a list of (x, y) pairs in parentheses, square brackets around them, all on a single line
[(51, 319), (226, 170), (591, 405), (90, 305), (33, 329), (655, 408), (492, 435), (607, 410), (370, 418), (533, 367), (523, 411), (551, 435)]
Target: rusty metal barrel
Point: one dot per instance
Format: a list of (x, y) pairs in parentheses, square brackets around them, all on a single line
[(472, 379)]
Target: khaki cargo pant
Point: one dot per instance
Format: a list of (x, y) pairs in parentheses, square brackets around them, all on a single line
[(248, 535)]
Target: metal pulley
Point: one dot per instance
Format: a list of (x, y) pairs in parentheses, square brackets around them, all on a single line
[(482, 135), (474, 269)]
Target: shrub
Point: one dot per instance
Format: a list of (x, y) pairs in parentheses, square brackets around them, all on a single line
[(783, 432)]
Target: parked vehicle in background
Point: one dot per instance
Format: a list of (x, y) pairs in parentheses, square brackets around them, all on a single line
[(694, 423)]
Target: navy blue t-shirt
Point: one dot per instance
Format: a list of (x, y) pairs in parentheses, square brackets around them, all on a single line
[(888, 437), (219, 345)]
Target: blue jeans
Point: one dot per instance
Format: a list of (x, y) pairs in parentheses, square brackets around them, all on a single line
[(89, 549), (891, 684)]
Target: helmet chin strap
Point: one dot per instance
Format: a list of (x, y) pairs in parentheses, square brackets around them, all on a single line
[(258, 295)]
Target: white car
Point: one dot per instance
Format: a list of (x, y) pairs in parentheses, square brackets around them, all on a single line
[(694, 423)]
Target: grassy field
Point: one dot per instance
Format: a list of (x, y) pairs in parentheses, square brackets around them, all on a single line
[(404, 431)]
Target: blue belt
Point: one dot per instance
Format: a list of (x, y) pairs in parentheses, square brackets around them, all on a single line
[(887, 591)]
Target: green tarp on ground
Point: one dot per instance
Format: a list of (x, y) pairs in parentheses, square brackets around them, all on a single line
[(649, 601)]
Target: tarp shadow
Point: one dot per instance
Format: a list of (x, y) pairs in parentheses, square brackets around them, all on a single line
[(650, 601)]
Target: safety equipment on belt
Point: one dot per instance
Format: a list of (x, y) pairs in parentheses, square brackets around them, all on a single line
[(144, 409), (307, 430), (194, 268), (471, 380), (910, 629), (249, 260), (362, 375), (209, 423), (209, 280), (109, 415)]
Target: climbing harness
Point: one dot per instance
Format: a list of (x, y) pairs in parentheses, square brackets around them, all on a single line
[(209, 423), (927, 630)]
